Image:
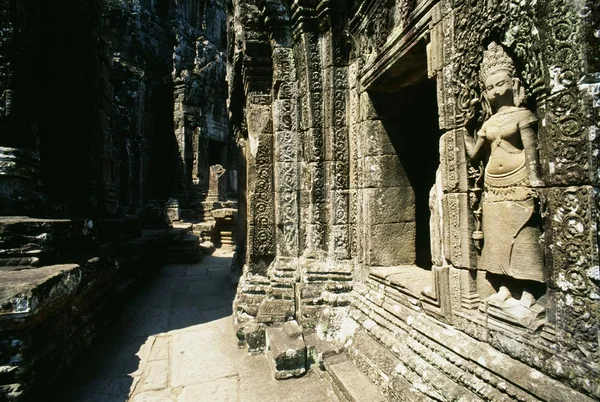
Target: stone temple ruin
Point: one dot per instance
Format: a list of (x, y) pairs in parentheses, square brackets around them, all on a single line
[(412, 186)]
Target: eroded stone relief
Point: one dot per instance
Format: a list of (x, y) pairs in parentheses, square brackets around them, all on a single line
[(510, 223)]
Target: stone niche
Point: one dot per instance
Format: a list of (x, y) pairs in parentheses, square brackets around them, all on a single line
[(401, 159), (403, 191)]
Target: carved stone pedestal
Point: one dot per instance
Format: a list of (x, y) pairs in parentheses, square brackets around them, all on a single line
[(217, 188), (511, 312)]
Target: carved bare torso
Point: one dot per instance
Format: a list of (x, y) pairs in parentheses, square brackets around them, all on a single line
[(503, 132)]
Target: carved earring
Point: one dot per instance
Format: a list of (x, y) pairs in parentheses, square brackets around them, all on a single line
[(518, 92)]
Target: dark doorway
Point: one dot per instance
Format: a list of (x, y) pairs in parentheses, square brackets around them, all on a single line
[(410, 116), (216, 153)]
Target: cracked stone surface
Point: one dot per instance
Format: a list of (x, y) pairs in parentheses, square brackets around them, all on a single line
[(175, 342)]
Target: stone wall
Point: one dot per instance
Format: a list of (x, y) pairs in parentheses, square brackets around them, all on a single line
[(168, 74), (140, 106), (362, 204), (107, 108)]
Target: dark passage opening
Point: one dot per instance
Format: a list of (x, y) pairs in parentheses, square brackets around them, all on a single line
[(67, 102), (410, 116), (216, 153)]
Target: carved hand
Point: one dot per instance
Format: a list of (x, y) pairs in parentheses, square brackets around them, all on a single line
[(471, 146)]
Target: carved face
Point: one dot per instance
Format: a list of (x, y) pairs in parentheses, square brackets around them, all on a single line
[(499, 89)]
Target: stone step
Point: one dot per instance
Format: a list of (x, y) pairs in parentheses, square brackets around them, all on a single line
[(29, 243), (319, 350), (184, 249), (353, 384)]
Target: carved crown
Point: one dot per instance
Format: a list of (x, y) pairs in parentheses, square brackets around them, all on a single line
[(494, 60)]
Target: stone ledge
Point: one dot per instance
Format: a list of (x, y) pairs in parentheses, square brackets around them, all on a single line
[(353, 384), (409, 278), (24, 292), (395, 326)]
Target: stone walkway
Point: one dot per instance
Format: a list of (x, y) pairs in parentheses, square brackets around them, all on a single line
[(175, 342)]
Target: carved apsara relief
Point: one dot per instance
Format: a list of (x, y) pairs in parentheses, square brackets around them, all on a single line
[(511, 226)]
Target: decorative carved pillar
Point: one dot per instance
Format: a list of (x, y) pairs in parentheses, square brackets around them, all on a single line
[(287, 175), (569, 148), (257, 74), (311, 87), (260, 176), (335, 78)]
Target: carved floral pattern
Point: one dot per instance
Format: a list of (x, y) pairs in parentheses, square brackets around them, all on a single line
[(515, 24), (314, 114), (287, 171), (575, 270)]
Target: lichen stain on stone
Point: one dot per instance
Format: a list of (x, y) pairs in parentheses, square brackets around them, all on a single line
[(20, 304), (594, 272), (555, 73)]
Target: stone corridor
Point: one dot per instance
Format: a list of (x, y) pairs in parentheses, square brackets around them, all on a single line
[(174, 341)]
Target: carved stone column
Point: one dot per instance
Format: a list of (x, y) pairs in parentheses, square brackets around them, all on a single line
[(287, 177), (569, 150), (335, 77), (310, 85)]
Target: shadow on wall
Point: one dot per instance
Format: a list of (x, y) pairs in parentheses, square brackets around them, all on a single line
[(134, 356)]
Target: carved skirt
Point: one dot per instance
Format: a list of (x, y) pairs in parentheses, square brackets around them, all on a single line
[(510, 233)]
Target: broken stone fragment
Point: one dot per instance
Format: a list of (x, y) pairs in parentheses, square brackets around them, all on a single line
[(286, 350), (254, 334)]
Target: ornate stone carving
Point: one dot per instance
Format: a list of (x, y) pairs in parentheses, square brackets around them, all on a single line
[(568, 151), (573, 233), (286, 152), (262, 214), (513, 22), (314, 146), (217, 187), (340, 166), (511, 226), (456, 236)]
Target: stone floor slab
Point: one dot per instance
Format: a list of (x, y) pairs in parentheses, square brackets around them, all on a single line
[(175, 342), (147, 321), (197, 270), (221, 390), (127, 357), (185, 317), (203, 350), (99, 390), (155, 377), (160, 348), (164, 395)]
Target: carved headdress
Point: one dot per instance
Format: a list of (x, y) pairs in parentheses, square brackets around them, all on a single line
[(495, 59)]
